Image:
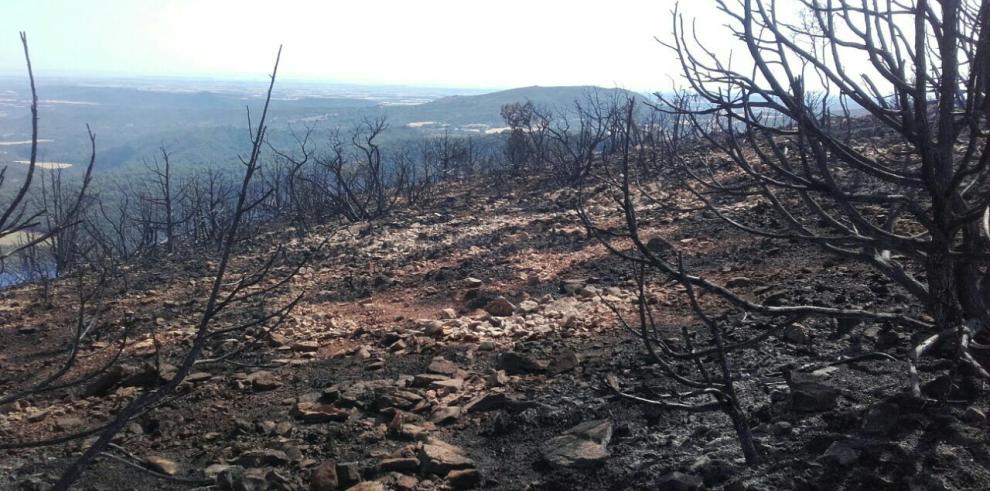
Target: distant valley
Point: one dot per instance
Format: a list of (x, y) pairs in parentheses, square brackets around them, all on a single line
[(204, 122)]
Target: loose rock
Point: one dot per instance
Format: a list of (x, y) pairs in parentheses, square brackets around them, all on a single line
[(581, 446)]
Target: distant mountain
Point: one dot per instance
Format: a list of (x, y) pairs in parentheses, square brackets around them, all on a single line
[(486, 108), (205, 125)]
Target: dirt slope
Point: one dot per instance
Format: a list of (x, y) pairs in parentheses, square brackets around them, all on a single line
[(464, 347)]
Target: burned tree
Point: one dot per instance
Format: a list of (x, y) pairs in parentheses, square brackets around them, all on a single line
[(230, 290), (18, 215), (165, 198), (861, 128)]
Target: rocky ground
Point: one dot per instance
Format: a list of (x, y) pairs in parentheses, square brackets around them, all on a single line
[(465, 347)]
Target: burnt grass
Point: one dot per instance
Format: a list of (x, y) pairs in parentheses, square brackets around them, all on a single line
[(378, 285)]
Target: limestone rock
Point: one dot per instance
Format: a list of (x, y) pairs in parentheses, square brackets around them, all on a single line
[(306, 346), (309, 412), (439, 457), (161, 465), (581, 446), (263, 380), (367, 486)]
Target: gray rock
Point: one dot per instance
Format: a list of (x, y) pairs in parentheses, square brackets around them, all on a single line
[(739, 282), (797, 334), (581, 446), (782, 428), (810, 394), (564, 362), (528, 306), (263, 380), (712, 471), (496, 401), (261, 458), (230, 478), (367, 486), (974, 416), (881, 418), (515, 363), (839, 453), (443, 367), (678, 481)]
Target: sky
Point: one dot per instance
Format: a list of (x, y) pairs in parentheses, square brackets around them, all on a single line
[(438, 43)]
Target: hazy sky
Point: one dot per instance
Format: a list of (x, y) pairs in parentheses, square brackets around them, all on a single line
[(456, 43)]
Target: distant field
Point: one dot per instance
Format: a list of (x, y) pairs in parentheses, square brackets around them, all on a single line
[(23, 142), (46, 165), (16, 239)]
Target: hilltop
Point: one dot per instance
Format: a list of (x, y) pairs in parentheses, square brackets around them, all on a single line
[(484, 108)]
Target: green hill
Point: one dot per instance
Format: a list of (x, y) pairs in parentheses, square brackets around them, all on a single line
[(486, 108)]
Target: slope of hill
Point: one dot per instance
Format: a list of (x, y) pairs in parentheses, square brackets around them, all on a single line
[(395, 369)]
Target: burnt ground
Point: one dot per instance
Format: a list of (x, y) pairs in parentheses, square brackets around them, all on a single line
[(391, 372)]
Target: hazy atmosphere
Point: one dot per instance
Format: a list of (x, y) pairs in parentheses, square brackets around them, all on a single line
[(437, 43)]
